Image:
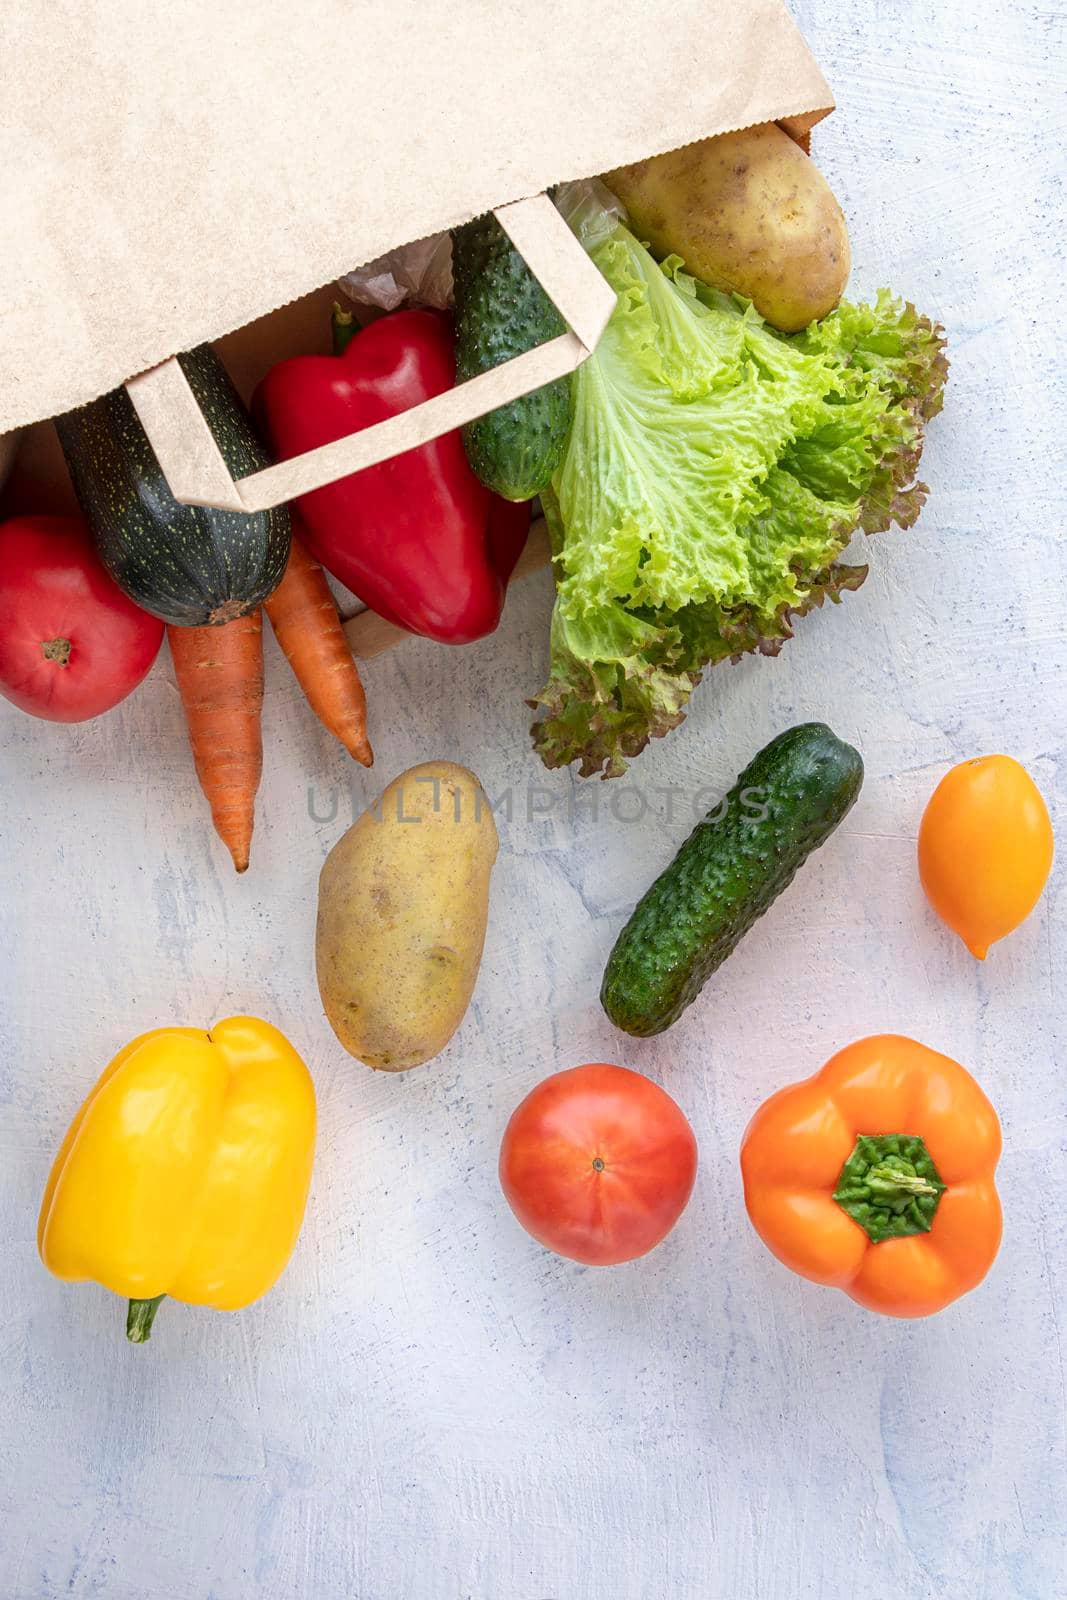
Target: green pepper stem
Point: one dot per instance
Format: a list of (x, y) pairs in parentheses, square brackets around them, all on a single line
[(344, 328), (140, 1317), (892, 1184)]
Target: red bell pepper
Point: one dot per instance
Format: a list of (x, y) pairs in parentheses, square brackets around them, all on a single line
[(418, 538)]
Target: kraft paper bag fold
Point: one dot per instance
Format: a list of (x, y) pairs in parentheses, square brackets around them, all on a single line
[(172, 169)]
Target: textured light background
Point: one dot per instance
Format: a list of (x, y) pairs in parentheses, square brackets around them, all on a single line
[(430, 1407)]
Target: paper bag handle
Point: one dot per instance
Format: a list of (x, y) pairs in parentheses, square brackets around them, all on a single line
[(192, 462)]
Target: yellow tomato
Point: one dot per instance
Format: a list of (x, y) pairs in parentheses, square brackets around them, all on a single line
[(985, 849)]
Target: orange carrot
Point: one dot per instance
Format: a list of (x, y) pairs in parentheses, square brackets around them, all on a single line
[(220, 678), (304, 616)]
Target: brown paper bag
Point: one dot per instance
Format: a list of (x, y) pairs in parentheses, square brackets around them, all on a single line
[(171, 171)]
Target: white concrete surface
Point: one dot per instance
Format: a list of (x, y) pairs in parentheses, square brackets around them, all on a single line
[(430, 1407)]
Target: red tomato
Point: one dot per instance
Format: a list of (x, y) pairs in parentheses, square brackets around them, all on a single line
[(71, 644), (598, 1164)]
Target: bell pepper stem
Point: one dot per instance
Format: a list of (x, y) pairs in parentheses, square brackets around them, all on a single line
[(140, 1317), (344, 328), (890, 1186), (894, 1185)]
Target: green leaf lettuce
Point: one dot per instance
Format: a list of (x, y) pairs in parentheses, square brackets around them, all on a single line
[(714, 473)]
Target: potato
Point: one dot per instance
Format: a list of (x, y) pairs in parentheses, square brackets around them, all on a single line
[(403, 901), (748, 212)]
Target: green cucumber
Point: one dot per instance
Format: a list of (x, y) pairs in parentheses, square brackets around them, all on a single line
[(502, 311), (190, 565), (733, 866)]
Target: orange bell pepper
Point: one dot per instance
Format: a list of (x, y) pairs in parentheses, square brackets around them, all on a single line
[(875, 1176)]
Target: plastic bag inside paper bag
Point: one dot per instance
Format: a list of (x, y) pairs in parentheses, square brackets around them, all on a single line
[(416, 274), (420, 274)]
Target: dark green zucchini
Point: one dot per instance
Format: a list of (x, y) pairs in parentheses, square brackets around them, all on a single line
[(735, 863), (190, 565)]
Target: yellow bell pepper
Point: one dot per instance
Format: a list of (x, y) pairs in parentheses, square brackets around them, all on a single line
[(186, 1171)]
